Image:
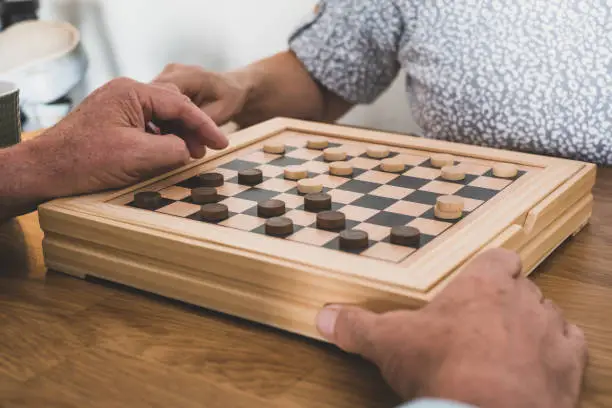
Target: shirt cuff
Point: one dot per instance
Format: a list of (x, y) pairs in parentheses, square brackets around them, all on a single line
[(435, 403)]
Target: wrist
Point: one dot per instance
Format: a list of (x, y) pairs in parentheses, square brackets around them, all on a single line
[(32, 173)]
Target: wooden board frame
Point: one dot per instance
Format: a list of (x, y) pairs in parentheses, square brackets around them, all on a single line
[(244, 275)]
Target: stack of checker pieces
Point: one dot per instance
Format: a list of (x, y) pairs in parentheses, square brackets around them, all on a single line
[(374, 204)]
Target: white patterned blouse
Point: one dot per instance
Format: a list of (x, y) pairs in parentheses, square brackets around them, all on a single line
[(528, 75)]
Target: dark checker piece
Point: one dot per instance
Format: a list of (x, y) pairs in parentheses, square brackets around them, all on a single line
[(214, 212), (271, 208), (279, 226), (406, 236), (353, 239), (147, 199), (211, 179), (317, 202), (204, 195), (331, 220), (250, 177)]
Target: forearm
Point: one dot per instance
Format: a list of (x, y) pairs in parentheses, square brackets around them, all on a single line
[(23, 184), (281, 86)]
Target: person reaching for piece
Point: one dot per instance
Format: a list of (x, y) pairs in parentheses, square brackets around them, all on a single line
[(523, 75)]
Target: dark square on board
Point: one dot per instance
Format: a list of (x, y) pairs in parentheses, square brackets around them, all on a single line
[(256, 195), (234, 180), (285, 161), (466, 180), (422, 197), (335, 244), (262, 230), (374, 202), (358, 186), (389, 219), (322, 159), (350, 224), (408, 182), (356, 173), (477, 193), (189, 200), (430, 215), (334, 207), (391, 154), (163, 202), (190, 183), (518, 174), (295, 191), (238, 165), (425, 239), (197, 217)]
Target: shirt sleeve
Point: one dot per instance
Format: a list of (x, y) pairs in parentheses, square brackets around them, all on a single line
[(435, 403), (351, 47)]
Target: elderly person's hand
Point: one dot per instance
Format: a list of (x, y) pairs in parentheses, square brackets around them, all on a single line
[(104, 144), (489, 339)]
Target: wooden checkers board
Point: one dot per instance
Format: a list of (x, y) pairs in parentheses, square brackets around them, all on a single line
[(237, 231)]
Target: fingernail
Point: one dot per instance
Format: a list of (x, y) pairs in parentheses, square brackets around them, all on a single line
[(326, 321)]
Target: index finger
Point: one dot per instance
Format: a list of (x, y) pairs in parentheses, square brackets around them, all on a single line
[(167, 105)]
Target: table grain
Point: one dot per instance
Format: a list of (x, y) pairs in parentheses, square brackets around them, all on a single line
[(65, 342)]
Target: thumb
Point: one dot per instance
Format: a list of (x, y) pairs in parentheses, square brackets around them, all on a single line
[(158, 154), (351, 328)]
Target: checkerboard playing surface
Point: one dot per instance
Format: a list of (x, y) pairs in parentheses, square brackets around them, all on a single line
[(372, 200)]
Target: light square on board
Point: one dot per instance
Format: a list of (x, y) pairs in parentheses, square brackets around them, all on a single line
[(243, 222), (358, 213), (388, 252), (389, 191), (377, 177), (261, 157), (491, 183), (305, 154), (363, 163), (470, 204), (411, 160), (423, 173), (375, 232), (302, 218), (344, 197), (475, 169), (175, 192), (313, 236), (441, 187), (180, 209), (238, 205), (318, 167), (277, 184), (290, 200), (231, 189), (409, 208), (430, 227), (270, 171), (330, 181), (353, 150), (295, 139)]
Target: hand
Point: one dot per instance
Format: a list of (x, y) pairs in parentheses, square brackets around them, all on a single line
[(103, 143), (220, 95), (489, 339)]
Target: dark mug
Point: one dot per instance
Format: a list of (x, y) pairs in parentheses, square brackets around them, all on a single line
[(10, 116)]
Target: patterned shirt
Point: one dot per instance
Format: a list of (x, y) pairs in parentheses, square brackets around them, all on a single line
[(526, 75)]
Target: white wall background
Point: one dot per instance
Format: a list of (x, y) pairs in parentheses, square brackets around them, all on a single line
[(137, 38)]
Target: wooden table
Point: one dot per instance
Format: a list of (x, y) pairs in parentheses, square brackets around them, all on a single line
[(71, 343)]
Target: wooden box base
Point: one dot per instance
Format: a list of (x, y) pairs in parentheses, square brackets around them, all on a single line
[(257, 281)]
